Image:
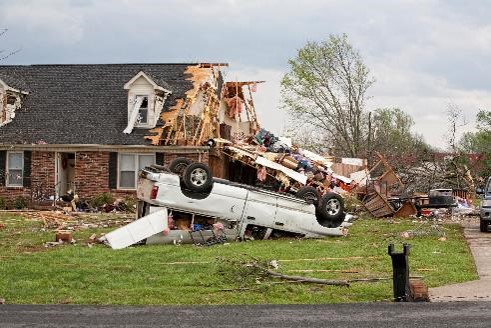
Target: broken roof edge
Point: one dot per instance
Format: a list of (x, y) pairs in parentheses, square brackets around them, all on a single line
[(241, 83), (113, 148)]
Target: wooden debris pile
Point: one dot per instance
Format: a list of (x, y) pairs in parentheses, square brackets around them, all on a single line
[(377, 191), (52, 220)]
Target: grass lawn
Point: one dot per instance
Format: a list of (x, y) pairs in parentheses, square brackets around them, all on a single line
[(186, 274)]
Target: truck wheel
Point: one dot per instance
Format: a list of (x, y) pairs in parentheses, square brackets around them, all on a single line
[(160, 168), (331, 210), (197, 177), (179, 165), (309, 194), (483, 225)]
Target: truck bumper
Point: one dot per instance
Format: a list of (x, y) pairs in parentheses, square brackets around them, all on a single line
[(485, 213)]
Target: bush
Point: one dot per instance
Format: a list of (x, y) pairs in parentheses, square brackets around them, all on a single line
[(20, 203), (3, 203), (130, 204), (101, 199)]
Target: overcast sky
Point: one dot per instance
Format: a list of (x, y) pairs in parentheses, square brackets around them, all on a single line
[(424, 54)]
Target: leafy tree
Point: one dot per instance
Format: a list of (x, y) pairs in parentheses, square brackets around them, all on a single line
[(391, 135), (326, 89), (479, 142)]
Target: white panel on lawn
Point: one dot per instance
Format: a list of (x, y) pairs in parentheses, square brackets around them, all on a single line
[(138, 230)]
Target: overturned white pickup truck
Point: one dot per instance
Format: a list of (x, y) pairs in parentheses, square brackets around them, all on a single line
[(195, 207)]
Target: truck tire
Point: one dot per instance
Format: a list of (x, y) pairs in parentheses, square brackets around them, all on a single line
[(197, 177), (309, 194), (160, 168), (179, 165), (483, 225), (331, 210)]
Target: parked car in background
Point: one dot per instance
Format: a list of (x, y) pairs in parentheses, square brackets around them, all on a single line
[(485, 206)]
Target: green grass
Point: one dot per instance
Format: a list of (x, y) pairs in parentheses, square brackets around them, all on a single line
[(31, 273)]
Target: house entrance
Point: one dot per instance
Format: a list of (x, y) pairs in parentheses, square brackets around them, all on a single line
[(65, 173)]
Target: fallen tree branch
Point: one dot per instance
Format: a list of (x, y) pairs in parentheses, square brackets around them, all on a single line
[(303, 279), (332, 258), (309, 270), (378, 279)]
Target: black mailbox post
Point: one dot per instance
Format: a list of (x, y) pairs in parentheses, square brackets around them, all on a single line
[(400, 267)]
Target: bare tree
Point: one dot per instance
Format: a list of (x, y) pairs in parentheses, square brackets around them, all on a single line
[(4, 54), (326, 90)]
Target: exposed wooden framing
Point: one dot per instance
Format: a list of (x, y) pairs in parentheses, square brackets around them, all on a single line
[(198, 129), (253, 107)]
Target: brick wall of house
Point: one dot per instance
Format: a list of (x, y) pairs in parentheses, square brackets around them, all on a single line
[(91, 176), (42, 177), (91, 173)]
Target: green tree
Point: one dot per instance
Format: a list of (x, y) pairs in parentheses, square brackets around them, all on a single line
[(391, 135), (479, 142), (326, 89)]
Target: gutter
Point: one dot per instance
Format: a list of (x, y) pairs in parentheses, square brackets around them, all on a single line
[(112, 148)]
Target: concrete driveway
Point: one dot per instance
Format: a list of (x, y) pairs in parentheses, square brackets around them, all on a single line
[(478, 290)]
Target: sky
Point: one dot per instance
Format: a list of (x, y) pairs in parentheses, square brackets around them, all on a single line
[(425, 55)]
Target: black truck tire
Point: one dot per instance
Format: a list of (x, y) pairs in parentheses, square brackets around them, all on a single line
[(483, 225), (197, 177), (179, 164), (309, 194), (331, 210)]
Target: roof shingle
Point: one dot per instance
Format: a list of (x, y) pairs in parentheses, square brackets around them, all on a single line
[(82, 104)]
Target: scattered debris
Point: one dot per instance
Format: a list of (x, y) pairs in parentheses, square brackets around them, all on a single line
[(2, 300), (64, 236)]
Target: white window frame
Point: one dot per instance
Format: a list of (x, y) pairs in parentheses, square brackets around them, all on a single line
[(136, 157), (147, 123), (8, 169)]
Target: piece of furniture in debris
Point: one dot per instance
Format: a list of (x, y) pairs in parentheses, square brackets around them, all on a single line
[(378, 205), (406, 209), (378, 190)]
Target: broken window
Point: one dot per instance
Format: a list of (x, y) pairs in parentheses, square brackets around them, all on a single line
[(15, 164), (11, 100), (128, 167), (143, 112)]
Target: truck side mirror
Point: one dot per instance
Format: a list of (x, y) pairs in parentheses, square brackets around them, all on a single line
[(479, 191)]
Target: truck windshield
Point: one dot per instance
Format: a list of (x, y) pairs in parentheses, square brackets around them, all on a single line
[(488, 187)]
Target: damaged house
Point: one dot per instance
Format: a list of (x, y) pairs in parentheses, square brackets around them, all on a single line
[(90, 128)]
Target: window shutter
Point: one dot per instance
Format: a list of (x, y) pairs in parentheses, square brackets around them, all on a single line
[(27, 169), (3, 168), (159, 158), (113, 170)]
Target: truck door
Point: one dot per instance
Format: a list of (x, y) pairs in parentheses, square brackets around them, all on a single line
[(260, 209)]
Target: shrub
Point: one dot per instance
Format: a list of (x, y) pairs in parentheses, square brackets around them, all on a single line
[(101, 199), (20, 203), (3, 203), (130, 204)]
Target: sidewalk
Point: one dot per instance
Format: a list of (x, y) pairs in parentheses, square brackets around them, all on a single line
[(478, 290)]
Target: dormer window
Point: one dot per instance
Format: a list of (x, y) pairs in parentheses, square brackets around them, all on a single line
[(10, 101), (146, 97)]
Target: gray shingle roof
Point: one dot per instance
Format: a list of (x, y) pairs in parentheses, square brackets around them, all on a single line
[(14, 82), (83, 104)]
